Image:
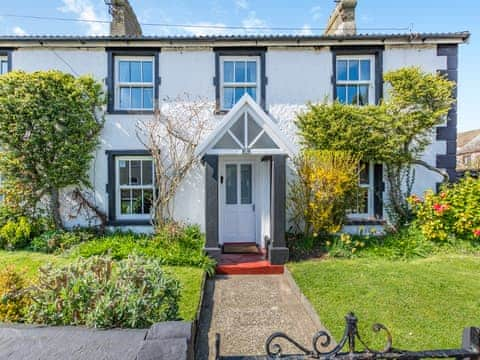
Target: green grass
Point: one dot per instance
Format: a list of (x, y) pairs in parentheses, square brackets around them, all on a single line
[(425, 303), (190, 278)]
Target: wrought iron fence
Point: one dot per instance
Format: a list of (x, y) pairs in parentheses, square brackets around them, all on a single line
[(323, 348)]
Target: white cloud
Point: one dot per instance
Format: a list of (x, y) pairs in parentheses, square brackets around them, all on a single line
[(316, 12), (241, 4), (253, 21), (85, 11), (202, 29), (306, 30), (17, 30)]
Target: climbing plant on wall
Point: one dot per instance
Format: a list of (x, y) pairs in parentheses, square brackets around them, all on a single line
[(49, 129), (395, 132)]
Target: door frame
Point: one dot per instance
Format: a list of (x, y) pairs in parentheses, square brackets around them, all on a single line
[(223, 161)]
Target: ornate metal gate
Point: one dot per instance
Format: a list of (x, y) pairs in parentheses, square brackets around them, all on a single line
[(323, 349)]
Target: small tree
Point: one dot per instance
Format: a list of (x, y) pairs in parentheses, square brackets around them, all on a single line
[(172, 137), (322, 189), (48, 132), (395, 132)]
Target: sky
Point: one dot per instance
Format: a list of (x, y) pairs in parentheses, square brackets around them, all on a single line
[(305, 16)]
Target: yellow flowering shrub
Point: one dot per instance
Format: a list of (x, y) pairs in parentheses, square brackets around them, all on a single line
[(321, 191), (13, 299)]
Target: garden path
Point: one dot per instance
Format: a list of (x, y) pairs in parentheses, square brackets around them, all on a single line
[(246, 309)]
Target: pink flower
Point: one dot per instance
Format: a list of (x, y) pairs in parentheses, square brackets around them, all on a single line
[(476, 232), (440, 208)]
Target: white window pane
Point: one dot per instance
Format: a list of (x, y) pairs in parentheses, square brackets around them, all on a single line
[(124, 98), (137, 201), (353, 70), (240, 70), (124, 71), (228, 71), (125, 202), (147, 71), (135, 71), (252, 91), (147, 200), (123, 167), (147, 172), (231, 184), (342, 70), (3, 67), (135, 172), (365, 70), (252, 71), (363, 95), (148, 98), (342, 94), (228, 97), (137, 98), (352, 94), (239, 93), (246, 183)]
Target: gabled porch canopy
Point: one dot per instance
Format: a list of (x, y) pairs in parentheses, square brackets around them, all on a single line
[(246, 129)]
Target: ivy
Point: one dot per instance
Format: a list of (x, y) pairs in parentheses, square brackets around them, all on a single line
[(395, 132), (48, 132)]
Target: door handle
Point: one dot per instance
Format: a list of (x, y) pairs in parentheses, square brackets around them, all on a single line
[(253, 207)]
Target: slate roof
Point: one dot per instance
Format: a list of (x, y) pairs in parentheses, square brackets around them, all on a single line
[(465, 137), (471, 146), (459, 36)]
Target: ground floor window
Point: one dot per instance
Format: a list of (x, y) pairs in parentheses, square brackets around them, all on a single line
[(134, 187), (363, 201)]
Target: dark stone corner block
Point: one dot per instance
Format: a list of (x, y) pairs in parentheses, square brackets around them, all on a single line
[(278, 255), (213, 252)]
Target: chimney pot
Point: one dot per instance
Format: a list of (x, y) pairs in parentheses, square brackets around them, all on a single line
[(342, 20), (124, 21)]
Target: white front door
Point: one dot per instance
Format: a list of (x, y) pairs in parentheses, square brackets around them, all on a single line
[(238, 206)]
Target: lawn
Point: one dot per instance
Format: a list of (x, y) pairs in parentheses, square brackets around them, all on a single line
[(189, 277), (425, 303)]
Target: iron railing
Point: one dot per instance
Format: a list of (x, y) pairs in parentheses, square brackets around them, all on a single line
[(323, 348)]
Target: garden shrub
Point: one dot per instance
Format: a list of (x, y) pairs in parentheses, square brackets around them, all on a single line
[(322, 190), (60, 240), (98, 292), (452, 213), (16, 234), (181, 246), (13, 297)]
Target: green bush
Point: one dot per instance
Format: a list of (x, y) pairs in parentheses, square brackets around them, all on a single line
[(182, 247), (13, 297), (98, 292), (453, 213), (16, 234), (60, 240)]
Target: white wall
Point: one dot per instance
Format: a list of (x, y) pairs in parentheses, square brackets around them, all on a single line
[(295, 77)]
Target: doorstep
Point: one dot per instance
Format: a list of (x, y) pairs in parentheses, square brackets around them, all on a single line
[(247, 264)]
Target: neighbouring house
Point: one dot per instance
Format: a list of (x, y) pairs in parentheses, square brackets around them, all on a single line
[(256, 84), (468, 150)]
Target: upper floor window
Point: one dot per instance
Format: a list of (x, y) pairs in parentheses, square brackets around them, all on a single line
[(239, 75), (134, 83), (355, 83), (3, 65)]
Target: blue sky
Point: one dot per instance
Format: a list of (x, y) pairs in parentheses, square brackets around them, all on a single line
[(420, 15)]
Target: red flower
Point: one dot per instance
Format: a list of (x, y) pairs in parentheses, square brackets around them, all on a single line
[(476, 232), (440, 208)]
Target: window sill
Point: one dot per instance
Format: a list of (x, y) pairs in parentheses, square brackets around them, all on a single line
[(130, 112), (365, 221), (129, 223)]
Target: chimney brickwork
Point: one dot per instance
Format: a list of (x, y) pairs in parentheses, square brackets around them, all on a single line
[(124, 21), (342, 20)]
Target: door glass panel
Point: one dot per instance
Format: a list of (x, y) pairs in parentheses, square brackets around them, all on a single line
[(231, 184), (246, 183)]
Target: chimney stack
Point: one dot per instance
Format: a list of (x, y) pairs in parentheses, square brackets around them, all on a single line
[(124, 21), (342, 20)]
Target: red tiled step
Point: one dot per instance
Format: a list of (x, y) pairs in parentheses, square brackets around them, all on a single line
[(253, 268)]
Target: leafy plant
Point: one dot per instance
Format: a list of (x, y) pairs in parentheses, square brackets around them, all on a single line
[(96, 292), (322, 190), (42, 117), (395, 132), (16, 234), (13, 297), (60, 240), (453, 213)]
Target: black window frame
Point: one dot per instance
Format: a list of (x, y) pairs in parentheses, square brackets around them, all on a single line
[(254, 52), (112, 53)]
